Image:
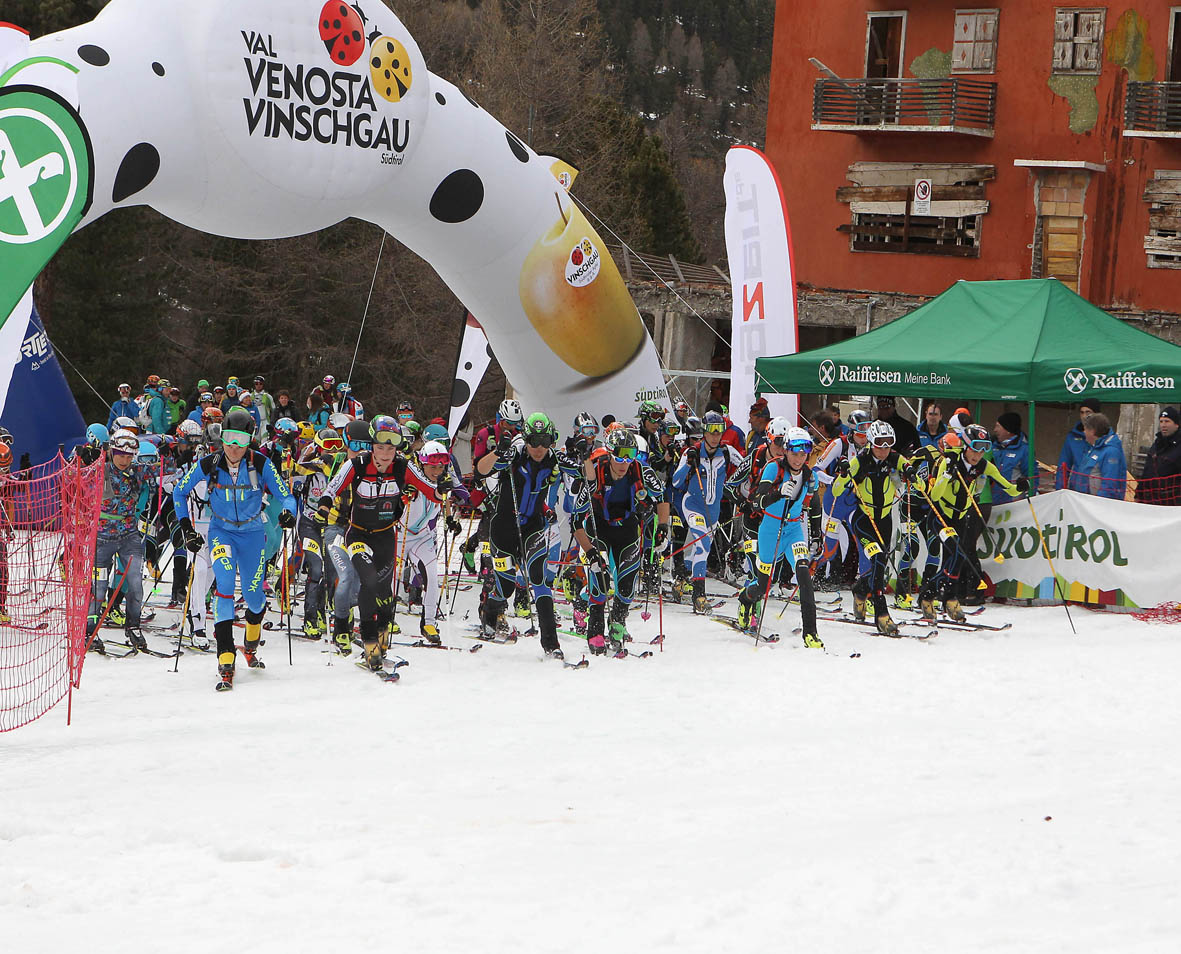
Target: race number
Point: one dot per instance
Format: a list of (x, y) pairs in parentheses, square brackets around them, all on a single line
[(799, 550), (872, 550), (360, 549), (502, 564), (311, 546), (831, 526)]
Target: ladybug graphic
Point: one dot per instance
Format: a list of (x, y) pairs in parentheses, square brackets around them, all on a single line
[(343, 32), (576, 256)]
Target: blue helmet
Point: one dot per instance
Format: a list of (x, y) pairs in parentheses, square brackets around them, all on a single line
[(97, 435), (437, 432)]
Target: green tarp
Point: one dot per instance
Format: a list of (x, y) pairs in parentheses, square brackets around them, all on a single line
[(1027, 341)]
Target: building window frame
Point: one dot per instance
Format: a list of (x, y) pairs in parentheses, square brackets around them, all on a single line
[(1078, 41), (872, 15), (971, 49)]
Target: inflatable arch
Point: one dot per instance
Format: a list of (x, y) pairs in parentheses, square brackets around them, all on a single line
[(270, 118)]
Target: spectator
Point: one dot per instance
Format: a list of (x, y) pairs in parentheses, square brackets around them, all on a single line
[(760, 417), (906, 435), (247, 401), (195, 397), (318, 411), (284, 407), (1075, 447), (264, 403), (233, 396), (219, 395), (154, 413), (1162, 468), (933, 427), (176, 408), (204, 400), (1010, 454), (1102, 472), (124, 407)]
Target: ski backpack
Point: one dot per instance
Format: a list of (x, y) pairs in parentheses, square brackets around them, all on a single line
[(144, 417)]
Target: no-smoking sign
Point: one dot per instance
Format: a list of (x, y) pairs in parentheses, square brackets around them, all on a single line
[(922, 197)]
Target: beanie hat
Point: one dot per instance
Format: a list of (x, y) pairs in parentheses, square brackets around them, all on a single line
[(1010, 421), (1171, 413), (1092, 403), (760, 409)]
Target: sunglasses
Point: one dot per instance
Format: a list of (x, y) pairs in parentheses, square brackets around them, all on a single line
[(237, 438), (884, 441), (393, 438), (359, 446), (715, 428), (540, 440), (979, 444)]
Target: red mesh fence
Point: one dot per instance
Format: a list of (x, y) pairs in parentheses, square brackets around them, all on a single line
[(1169, 612), (47, 535), (1162, 491)]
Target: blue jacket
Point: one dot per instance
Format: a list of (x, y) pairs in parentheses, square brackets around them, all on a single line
[(234, 503), (157, 411), (195, 415), (1103, 469), (927, 440), (705, 484), (126, 408), (1012, 460), (1074, 449)]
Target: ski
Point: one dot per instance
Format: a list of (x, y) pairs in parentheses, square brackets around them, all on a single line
[(110, 655), (622, 654), (385, 675), (500, 639), (733, 623), (423, 644), (929, 628), (131, 650)]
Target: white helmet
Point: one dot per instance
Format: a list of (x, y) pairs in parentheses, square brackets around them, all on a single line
[(779, 428), (797, 436), (124, 442), (880, 431), (510, 410), (339, 421), (433, 452)]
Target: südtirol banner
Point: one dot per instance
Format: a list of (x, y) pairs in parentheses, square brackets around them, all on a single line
[(762, 279), (1106, 552)]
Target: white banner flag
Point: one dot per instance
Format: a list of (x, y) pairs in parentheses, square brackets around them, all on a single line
[(758, 244), (1106, 552), (473, 359)]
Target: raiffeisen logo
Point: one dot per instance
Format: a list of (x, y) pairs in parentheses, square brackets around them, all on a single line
[(1076, 381)]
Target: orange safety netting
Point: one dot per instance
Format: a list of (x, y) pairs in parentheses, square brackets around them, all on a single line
[(48, 524)]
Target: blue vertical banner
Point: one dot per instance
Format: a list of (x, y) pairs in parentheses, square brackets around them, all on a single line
[(38, 407)]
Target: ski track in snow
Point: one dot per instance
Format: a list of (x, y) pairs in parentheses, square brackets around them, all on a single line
[(713, 798)]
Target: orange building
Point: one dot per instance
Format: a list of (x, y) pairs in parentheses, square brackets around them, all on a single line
[(1049, 138)]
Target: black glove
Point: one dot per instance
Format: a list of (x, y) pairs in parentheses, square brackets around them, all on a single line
[(1022, 484), (504, 442), (286, 519), (910, 472), (454, 525), (193, 541), (661, 535), (596, 559), (842, 467), (409, 493), (692, 456)]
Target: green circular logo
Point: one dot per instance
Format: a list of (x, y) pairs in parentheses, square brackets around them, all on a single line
[(38, 175)]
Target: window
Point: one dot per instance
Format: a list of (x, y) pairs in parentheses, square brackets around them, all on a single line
[(880, 204), (885, 35), (974, 47), (1174, 73), (1162, 244), (1078, 39)]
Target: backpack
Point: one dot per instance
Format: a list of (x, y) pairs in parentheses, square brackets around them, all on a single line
[(144, 417)]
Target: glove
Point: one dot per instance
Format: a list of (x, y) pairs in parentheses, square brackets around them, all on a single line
[(550, 517), (596, 559), (692, 456), (580, 447), (842, 467), (409, 493), (910, 472), (286, 519), (1022, 484), (323, 512), (518, 444), (454, 525), (504, 442), (193, 541), (661, 536), (816, 548)]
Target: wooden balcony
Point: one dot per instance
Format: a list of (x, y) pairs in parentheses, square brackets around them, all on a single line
[(953, 105), (1153, 110)]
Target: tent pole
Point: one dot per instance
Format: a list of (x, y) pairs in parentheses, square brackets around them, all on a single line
[(1032, 475), (976, 413)]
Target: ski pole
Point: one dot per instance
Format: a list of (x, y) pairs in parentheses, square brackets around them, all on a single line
[(512, 488), (287, 597), (180, 629), (459, 570), (1046, 550), (771, 572)]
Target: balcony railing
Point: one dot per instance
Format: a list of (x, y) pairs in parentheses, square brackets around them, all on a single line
[(963, 106), (1153, 110)]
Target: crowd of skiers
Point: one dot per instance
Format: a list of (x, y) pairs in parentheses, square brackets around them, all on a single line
[(243, 495)]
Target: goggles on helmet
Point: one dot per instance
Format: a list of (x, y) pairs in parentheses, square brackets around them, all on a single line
[(358, 446), (862, 427), (980, 444), (884, 440), (715, 428), (801, 446), (672, 430), (405, 416), (393, 438), (435, 460), (624, 455), (539, 439), (656, 415), (589, 430), (237, 438), (330, 443)]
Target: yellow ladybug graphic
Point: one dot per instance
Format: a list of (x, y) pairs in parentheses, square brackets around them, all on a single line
[(389, 68)]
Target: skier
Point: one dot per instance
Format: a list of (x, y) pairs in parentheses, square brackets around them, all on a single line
[(610, 511), (702, 474), (316, 473), (509, 419), (237, 476), (785, 488), (358, 440)]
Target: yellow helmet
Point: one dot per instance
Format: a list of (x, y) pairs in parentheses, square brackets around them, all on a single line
[(306, 431)]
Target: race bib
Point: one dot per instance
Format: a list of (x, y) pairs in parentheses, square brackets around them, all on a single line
[(698, 521), (220, 552), (486, 548), (946, 534), (750, 546), (502, 564), (831, 527), (764, 568), (908, 528), (311, 546), (872, 550), (676, 521), (360, 549), (799, 550)]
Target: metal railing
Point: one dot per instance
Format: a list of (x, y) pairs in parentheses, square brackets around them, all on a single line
[(912, 104), (1153, 107)]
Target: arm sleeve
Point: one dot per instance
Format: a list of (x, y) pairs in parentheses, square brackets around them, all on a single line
[(681, 474), (990, 470), (277, 485), (336, 486), (184, 487)]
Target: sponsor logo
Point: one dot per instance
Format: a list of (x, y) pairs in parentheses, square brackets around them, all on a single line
[(1077, 381), (827, 372), (830, 373), (582, 264)]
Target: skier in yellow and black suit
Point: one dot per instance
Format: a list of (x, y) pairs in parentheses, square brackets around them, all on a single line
[(952, 491), (873, 476)]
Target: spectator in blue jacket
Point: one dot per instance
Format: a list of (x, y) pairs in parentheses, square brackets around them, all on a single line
[(124, 407), (157, 410), (932, 427), (1103, 470), (1010, 454), (1075, 447), (198, 413)]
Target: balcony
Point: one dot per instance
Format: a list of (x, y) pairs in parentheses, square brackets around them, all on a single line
[(963, 106), (1153, 110)]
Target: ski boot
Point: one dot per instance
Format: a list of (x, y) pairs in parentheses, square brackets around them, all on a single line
[(700, 603), (859, 608), (135, 639), (812, 641), (225, 675), (521, 606), (115, 618), (903, 598), (342, 636), (199, 640), (374, 657), (748, 613), (885, 625), (951, 606), (682, 587), (555, 654), (430, 634), (594, 628), (927, 607), (251, 643), (580, 610), (617, 635), (314, 626), (413, 596), (95, 644)]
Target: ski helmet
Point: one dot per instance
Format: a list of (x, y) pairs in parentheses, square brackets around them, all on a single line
[(213, 432), (188, 430), (339, 421), (858, 420), (682, 408), (799, 440), (693, 427), (383, 429), (5, 436), (344, 389), (329, 440), (433, 453), (211, 414), (880, 434), (286, 429), (237, 427), (436, 432), (621, 444), (670, 425), (147, 453), (539, 430), (411, 431), (206, 397), (5, 458), (259, 379), (585, 424), (405, 407), (950, 441), (126, 423), (357, 436), (976, 437), (779, 429), (96, 435), (713, 422), (650, 411), (306, 431), (124, 442), (329, 382), (510, 412)]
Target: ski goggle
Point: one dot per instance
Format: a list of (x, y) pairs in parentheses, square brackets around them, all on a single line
[(715, 428), (800, 447), (624, 455), (435, 460), (980, 444), (393, 438), (589, 430), (862, 427), (330, 443), (672, 430), (538, 439), (237, 438), (405, 416), (883, 440), (358, 446), (654, 416)]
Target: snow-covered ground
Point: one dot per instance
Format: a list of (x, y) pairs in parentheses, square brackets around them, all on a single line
[(1015, 792)]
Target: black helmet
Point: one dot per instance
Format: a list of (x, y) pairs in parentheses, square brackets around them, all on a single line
[(357, 432), (238, 419)]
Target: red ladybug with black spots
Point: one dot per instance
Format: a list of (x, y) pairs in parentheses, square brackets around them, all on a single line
[(342, 28)]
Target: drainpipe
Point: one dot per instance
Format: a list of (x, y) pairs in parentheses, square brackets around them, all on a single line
[(869, 312)]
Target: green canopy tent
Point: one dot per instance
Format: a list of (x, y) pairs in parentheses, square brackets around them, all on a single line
[(1031, 340)]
